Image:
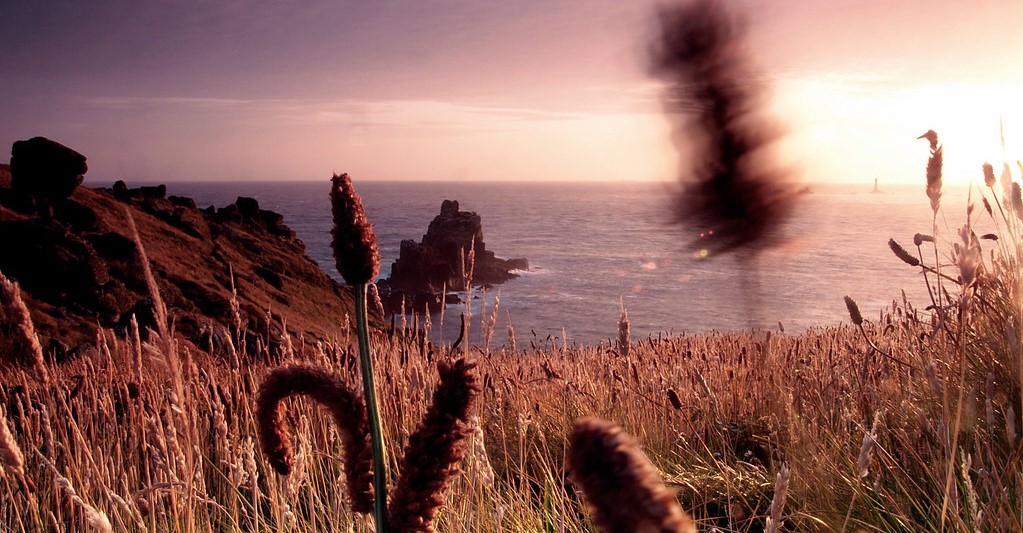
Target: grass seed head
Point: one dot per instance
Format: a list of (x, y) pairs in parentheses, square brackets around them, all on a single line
[(934, 164), (355, 245), (854, 311), (18, 314), (902, 254), (989, 174), (673, 398), (621, 487), (624, 336), (920, 238), (11, 459), (348, 410), (781, 490), (435, 450)]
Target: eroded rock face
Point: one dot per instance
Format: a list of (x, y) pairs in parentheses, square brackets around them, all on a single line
[(46, 170), (451, 254)]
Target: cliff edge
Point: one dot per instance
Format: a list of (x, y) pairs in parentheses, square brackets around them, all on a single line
[(79, 268)]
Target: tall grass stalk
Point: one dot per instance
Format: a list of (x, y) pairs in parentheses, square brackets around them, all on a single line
[(11, 458), (372, 411), (17, 311), (358, 261)]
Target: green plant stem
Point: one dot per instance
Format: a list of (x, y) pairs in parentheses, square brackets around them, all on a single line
[(372, 411)]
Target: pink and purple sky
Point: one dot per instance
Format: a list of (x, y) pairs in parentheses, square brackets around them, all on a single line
[(170, 90)]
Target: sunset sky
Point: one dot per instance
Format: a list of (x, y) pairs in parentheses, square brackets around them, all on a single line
[(556, 90)]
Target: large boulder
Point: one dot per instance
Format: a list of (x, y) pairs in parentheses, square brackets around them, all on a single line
[(45, 169)]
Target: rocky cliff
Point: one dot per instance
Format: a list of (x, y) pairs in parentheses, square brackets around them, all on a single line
[(79, 269)]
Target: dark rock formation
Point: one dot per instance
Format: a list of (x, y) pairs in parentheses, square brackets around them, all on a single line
[(154, 191), (182, 201), (443, 258), (144, 313), (79, 270), (60, 265), (46, 170), (248, 207)]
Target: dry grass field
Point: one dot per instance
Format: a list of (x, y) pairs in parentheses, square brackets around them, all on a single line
[(908, 424), (906, 419)]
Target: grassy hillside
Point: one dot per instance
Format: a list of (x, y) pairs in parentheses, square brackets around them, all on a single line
[(80, 271)]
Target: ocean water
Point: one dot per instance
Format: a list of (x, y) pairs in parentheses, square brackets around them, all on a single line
[(593, 247)]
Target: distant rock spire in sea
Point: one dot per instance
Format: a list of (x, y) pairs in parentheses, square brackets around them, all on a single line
[(442, 259)]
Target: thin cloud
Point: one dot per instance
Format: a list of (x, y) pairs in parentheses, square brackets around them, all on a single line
[(440, 116), (129, 102)]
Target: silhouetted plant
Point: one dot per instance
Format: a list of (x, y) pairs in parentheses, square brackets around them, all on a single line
[(435, 451), (933, 169)]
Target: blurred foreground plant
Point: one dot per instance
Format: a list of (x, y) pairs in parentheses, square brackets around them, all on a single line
[(734, 194)]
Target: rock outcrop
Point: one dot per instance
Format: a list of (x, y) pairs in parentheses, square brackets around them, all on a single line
[(80, 269), (5, 176), (46, 171), (451, 254)]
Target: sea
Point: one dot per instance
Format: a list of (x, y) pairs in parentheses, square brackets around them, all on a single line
[(595, 249)]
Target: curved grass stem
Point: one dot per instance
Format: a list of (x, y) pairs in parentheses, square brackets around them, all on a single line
[(372, 411)]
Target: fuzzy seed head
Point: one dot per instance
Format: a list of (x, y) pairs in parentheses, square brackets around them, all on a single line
[(673, 398), (620, 486), (11, 459), (435, 451), (934, 164), (355, 245), (348, 410), (989, 175), (624, 337), (866, 455), (854, 311), (902, 254), (18, 314), (781, 489), (969, 257)]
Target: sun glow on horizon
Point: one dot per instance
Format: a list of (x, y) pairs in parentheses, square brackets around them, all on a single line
[(498, 92), (856, 131)]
